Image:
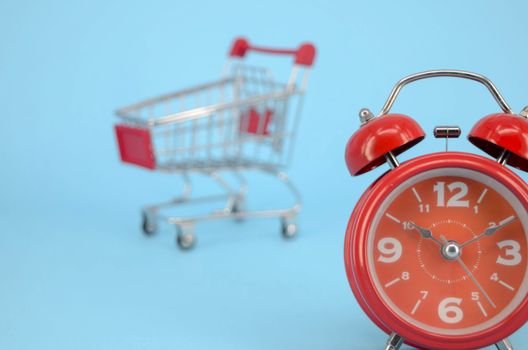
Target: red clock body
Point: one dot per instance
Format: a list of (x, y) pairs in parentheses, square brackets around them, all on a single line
[(436, 250)]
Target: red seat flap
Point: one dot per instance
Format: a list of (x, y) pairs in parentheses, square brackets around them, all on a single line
[(250, 122), (135, 146)]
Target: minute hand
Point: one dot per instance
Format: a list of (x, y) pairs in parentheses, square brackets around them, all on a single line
[(490, 230)]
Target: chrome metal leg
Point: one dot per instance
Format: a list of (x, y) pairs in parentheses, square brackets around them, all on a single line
[(504, 344), (284, 179), (231, 193), (235, 194), (240, 202), (150, 213), (187, 187), (186, 194), (395, 342), (243, 187), (289, 226)]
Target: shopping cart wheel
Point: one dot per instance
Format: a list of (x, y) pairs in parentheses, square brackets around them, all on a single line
[(238, 209), (185, 240), (148, 225), (288, 228)]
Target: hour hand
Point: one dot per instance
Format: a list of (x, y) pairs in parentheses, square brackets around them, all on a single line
[(425, 232)]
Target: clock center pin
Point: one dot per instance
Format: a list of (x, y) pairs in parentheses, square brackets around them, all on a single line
[(451, 250)]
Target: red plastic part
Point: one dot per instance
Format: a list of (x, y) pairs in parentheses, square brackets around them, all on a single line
[(367, 147), (304, 55), (239, 48), (355, 252), (501, 131), (250, 122), (135, 146)]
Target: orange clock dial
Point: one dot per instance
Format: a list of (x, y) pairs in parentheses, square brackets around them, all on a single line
[(447, 251)]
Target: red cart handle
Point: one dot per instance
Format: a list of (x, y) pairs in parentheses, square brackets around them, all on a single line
[(304, 55)]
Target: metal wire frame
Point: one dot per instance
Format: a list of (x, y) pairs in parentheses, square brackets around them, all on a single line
[(207, 129)]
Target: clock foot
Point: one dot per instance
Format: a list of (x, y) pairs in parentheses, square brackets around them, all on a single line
[(504, 345), (394, 342)]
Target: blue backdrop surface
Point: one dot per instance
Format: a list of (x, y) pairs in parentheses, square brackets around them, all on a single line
[(75, 272)]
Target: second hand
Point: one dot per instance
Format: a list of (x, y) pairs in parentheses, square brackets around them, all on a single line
[(470, 275)]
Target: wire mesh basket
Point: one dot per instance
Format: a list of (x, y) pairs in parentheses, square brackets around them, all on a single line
[(246, 120)]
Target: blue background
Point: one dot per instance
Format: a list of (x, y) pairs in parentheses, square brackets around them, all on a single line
[(75, 271)]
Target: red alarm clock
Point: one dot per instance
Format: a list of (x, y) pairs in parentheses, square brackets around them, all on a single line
[(436, 249)]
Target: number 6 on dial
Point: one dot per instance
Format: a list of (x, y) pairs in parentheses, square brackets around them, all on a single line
[(449, 310)]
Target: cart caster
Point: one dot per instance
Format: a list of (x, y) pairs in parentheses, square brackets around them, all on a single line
[(148, 225), (184, 238), (288, 228), (238, 208)]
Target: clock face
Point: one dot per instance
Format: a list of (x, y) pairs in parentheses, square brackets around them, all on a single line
[(447, 251)]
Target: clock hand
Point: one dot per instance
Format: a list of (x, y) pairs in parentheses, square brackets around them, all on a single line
[(425, 232), (490, 230), (470, 274)]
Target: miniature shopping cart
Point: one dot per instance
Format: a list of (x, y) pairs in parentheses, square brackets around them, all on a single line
[(244, 121)]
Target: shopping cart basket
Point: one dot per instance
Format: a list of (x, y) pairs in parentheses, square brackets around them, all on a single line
[(244, 121)]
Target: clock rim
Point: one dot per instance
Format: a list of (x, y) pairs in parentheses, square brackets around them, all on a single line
[(356, 252)]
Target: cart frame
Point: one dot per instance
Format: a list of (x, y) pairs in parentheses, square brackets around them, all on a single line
[(256, 117)]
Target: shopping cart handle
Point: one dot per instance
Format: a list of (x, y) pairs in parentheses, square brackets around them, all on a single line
[(304, 55)]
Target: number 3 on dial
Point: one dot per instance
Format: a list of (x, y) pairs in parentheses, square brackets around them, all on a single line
[(512, 251)]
